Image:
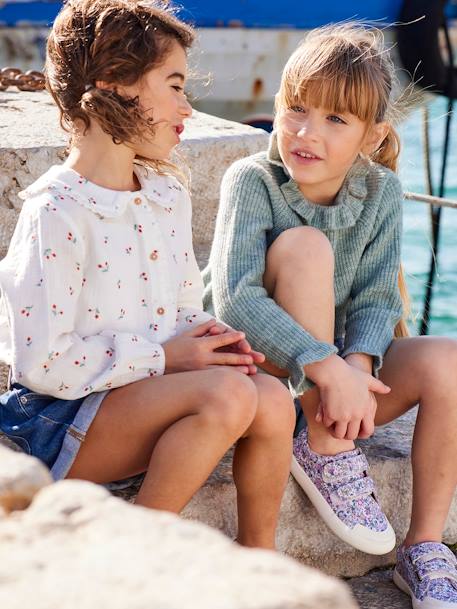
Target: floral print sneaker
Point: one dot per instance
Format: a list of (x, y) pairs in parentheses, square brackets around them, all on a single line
[(344, 496), (427, 571)]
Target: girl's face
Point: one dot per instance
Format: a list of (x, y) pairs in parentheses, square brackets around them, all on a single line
[(318, 147), (162, 98)]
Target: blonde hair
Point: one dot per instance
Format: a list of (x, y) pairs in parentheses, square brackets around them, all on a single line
[(346, 68)]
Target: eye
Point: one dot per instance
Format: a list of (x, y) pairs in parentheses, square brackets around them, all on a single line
[(178, 88), (336, 119), (297, 109)]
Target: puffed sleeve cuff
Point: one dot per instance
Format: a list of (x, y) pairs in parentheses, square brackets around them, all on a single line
[(371, 331), (189, 317), (299, 383)]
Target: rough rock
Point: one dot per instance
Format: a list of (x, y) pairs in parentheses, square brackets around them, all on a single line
[(76, 546), (31, 141), (376, 590), (301, 532), (21, 477)]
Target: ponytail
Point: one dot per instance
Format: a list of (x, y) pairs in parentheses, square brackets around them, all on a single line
[(401, 329), (387, 155), (388, 152)]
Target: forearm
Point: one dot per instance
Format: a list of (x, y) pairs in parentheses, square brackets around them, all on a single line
[(362, 361)]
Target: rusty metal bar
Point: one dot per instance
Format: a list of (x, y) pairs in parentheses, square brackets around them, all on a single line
[(437, 201)]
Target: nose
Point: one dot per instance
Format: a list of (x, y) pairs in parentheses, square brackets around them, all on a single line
[(185, 108), (308, 128)]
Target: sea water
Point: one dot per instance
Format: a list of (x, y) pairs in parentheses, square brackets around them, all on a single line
[(416, 251)]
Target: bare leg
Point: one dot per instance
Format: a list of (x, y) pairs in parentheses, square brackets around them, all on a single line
[(261, 463), (422, 370), (176, 428), (299, 276)]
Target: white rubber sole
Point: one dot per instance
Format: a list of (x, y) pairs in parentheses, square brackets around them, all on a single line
[(428, 603), (359, 537)]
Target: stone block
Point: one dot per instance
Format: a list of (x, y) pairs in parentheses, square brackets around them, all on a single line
[(301, 532), (33, 142), (76, 546), (21, 477)]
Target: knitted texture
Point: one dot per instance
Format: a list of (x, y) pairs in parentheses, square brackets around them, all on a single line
[(258, 202)]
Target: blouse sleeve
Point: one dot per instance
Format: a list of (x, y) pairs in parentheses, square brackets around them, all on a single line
[(375, 307), (237, 269), (48, 355)]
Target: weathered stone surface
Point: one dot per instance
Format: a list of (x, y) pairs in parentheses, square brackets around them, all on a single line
[(76, 546), (21, 477), (301, 532), (376, 590), (31, 141)]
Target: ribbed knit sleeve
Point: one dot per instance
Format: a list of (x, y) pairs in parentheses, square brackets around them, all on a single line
[(237, 267), (375, 306)]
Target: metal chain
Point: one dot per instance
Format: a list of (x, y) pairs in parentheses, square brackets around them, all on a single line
[(32, 80)]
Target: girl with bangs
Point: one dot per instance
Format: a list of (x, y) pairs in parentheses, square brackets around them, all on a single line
[(115, 368), (306, 260)]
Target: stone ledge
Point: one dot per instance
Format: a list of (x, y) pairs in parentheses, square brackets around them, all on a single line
[(301, 532), (31, 141)]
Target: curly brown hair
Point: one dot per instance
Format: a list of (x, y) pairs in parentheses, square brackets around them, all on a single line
[(114, 41)]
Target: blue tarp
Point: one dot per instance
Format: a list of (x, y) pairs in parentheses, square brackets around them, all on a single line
[(287, 13), (245, 13), (248, 13)]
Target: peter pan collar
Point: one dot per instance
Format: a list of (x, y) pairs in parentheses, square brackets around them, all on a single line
[(62, 182), (348, 203)]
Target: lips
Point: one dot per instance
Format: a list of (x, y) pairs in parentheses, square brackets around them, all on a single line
[(179, 129), (306, 154)]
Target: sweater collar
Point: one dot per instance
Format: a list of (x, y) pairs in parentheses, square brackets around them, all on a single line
[(61, 182), (348, 203)]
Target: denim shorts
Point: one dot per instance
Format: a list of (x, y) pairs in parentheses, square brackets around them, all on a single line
[(47, 427)]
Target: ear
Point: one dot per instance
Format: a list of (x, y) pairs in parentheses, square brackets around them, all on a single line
[(375, 137), (105, 86)]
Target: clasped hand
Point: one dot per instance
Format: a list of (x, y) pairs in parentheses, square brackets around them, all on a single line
[(208, 345), (347, 397)]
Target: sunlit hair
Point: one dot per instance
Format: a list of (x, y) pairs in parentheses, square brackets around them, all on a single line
[(347, 68), (116, 42)]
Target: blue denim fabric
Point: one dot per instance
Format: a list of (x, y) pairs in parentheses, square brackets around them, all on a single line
[(47, 427)]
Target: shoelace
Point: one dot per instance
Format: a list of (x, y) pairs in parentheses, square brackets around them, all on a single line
[(432, 571)]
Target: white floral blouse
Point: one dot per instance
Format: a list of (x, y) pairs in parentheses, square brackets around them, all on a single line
[(94, 282)]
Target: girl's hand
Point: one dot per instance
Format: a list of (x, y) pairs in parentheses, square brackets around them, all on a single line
[(197, 349), (241, 347), (348, 406), (364, 362)]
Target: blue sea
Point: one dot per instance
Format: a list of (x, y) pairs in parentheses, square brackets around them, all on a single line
[(416, 235)]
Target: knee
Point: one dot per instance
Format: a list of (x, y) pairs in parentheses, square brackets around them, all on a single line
[(302, 245), (230, 401), (275, 414), (435, 361)]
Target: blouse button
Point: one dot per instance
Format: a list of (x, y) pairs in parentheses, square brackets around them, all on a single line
[(137, 201), (154, 255), (160, 311)]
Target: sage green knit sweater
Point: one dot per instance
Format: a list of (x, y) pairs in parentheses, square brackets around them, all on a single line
[(258, 202)]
